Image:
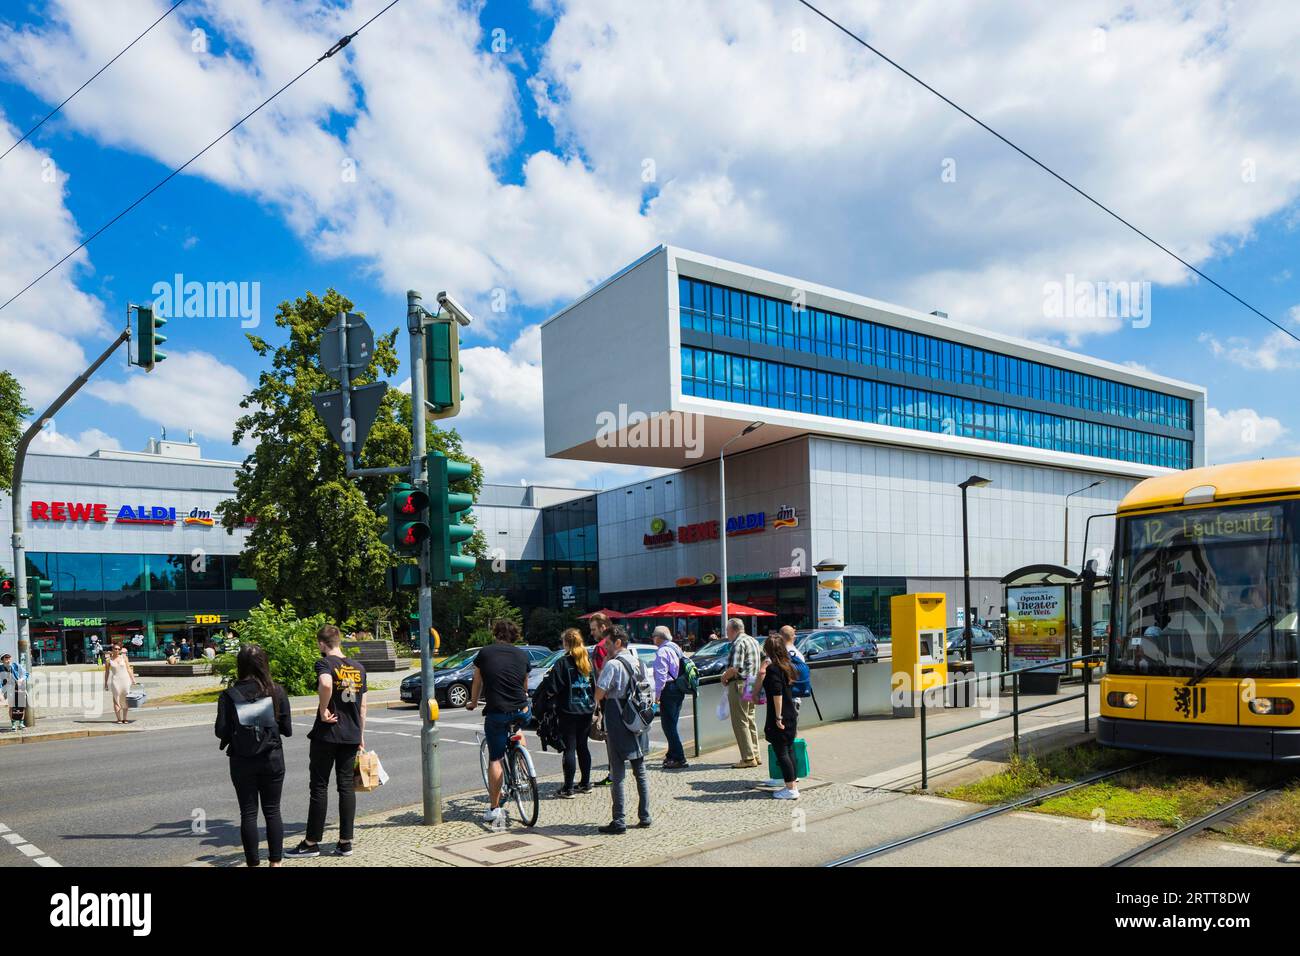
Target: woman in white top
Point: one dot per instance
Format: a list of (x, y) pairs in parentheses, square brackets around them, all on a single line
[(118, 678)]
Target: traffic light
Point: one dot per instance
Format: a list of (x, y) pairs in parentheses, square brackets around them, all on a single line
[(407, 511), (40, 598), (447, 533), (147, 338), (442, 369), (8, 592)]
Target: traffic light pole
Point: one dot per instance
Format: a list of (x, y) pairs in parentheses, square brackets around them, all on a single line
[(431, 777), (16, 493)]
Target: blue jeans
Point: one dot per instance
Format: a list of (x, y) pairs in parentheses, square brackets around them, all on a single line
[(670, 711)]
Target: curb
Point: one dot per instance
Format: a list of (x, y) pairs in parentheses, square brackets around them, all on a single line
[(43, 736)]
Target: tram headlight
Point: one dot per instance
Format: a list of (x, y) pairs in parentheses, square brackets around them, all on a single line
[(1271, 706), (1119, 698)]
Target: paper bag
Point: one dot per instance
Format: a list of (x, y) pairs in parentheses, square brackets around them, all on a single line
[(369, 772)]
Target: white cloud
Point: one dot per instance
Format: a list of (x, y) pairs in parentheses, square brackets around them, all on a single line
[(51, 441), (1238, 434), (1276, 350), (42, 332), (188, 390), (701, 122)]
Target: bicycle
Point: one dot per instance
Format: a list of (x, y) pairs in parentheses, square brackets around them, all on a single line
[(519, 776)]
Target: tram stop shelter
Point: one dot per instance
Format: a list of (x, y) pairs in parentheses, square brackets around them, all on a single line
[(1039, 602)]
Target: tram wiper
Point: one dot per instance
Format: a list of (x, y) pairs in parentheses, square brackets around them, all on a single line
[(1228, 651)]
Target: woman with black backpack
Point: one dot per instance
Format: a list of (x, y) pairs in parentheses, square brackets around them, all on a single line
[(568, 688), (252, 716)]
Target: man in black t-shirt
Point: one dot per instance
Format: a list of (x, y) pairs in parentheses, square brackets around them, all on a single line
[(501, 670), (337, 735)]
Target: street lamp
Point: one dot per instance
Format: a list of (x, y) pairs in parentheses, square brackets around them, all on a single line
[(1066, 558), (722, 497), (974, 481)]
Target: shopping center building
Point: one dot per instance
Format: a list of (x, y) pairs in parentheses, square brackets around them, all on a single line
[(132, 546), (872, 415)]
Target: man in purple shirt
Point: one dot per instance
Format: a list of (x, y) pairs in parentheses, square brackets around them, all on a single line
[(667, 665)]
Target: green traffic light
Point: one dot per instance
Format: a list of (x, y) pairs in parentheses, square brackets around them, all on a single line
[(147, 339)]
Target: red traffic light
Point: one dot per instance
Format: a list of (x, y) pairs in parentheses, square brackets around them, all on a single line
[(408, 505)]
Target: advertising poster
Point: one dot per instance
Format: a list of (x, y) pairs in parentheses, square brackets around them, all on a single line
[(830, 598), (1036, 625)]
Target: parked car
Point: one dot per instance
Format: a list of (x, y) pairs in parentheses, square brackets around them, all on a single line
[(453, 678), (853, 642), (711, 659), (981, 639)]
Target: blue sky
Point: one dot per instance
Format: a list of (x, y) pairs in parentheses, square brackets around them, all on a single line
[(500, 151)]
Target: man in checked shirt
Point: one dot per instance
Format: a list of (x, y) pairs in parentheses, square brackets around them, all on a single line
[(743, 663)]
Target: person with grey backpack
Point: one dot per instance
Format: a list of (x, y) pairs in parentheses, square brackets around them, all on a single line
[(625, 697), (252, 716)]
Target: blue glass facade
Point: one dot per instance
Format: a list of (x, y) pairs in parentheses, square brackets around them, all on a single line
[(746, 318)]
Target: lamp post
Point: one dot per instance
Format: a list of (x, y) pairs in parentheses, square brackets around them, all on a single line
[(974, 481), (1065, 559), (722, 498)]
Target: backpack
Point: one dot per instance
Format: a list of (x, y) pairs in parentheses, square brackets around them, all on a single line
[(801, 686), (580, 694), (688, 675), (256, 732), (637, 708)]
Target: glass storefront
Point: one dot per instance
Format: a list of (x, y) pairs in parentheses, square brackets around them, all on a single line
[(145, 602)]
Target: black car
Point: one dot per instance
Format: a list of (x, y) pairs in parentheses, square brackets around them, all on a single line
[(453, 677), (853, 642), (711, 659), (981, 639)]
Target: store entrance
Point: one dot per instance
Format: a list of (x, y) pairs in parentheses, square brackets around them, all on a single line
[(79, 644)]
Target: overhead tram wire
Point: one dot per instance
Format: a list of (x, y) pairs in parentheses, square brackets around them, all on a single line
[(1047, 169), (338, 45), (25, 135)]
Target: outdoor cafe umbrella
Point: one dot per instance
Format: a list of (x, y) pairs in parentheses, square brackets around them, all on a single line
[(612, 615), (739, 610), (671, 609)]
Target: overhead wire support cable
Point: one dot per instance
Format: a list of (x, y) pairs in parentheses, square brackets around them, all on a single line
[(340, 44)]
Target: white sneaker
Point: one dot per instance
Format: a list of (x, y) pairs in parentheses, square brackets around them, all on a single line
[(491, 814), (786, 793)]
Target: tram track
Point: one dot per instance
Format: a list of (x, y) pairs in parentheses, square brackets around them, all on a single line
[(1167, 840), (1026, 801)]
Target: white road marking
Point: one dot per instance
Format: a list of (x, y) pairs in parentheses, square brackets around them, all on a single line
[(29, 850), (1278, 855)]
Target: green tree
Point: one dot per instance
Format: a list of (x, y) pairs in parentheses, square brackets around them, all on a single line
[(289, 642), (13, 413), (315, 544), (489, 609)]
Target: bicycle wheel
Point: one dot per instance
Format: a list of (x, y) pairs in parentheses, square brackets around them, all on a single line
[(483, 761), (524, 787)]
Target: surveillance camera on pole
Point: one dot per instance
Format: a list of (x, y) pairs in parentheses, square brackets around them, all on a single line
[(452, 306)]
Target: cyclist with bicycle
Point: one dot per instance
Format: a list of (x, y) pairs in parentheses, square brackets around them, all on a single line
[(501, 674)]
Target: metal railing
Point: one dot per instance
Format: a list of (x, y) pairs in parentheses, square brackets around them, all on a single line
[(855, 698), (1016, 709)]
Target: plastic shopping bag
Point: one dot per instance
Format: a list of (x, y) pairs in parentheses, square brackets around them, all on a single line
[(753, 692), (724, 711)]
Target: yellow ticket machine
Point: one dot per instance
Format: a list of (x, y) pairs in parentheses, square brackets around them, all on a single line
[(920, 645)]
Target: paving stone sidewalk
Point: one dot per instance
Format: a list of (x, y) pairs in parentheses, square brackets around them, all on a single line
[(704, 804)]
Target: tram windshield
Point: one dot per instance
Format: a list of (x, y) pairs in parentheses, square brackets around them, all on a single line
[(1190, 584)]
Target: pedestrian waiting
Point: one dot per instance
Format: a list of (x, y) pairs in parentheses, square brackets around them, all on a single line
[(569, 688), (624, 696), (670, 695), (741, 680), (781, 726), (337, 735), (252, 716)]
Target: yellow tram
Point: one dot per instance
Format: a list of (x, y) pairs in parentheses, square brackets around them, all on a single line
[(1202, 657)]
